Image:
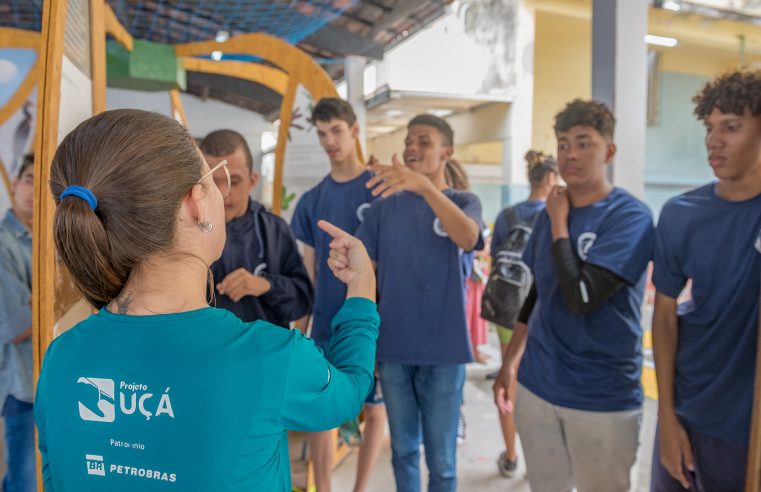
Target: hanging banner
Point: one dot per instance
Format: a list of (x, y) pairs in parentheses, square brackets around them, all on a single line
[(305, 162)]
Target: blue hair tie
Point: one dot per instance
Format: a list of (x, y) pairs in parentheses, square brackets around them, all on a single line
[(83, 193)]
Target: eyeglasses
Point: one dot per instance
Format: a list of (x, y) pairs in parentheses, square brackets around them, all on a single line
[(223, 184)]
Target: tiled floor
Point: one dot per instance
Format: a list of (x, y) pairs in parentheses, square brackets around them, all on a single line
[(477, 471)]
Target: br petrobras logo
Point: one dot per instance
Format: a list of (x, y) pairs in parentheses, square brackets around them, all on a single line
[(439, 229), (102, 407), (361, 211), (95, 465), (584, 244)]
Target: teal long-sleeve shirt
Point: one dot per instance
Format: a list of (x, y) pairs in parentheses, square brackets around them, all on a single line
[(194, 401)]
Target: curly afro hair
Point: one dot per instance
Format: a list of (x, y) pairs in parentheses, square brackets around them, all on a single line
[(586, 113), (733, 92)]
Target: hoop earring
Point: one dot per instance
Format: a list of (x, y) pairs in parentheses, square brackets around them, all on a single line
[(205, 226)]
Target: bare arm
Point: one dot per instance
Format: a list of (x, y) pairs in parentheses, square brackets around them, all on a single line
[(462, 230), (676, 453), (505, 382)]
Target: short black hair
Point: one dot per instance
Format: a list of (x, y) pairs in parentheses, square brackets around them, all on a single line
[(26, 162), (333, 108), (438, 123), (586, 113), (733, 92), (225, 142)]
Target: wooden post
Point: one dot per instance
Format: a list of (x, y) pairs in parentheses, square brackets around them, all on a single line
[(46, 140), (178, 111), (98, 55), (286, 113), (753, 475)]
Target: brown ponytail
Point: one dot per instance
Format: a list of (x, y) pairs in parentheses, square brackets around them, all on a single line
[(538, 165), (455, 175), (139, 165)]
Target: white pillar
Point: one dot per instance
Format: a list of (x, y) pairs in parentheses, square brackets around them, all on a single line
[(354, 74), (619, 79), (522, 108)]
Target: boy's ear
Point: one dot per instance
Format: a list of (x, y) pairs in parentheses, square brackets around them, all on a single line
[(610, 152)]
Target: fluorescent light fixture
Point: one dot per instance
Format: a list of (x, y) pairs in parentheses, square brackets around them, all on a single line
[(394, 113), (672, 5), (661, 41), (441, 113), (222, 36), (216, 55)]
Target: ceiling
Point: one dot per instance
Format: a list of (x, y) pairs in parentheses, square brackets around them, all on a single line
[(328, 30), (388, 110)]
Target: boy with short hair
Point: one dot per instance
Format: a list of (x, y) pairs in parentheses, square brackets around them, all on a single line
[(417, 235), (578, 400), (342, 199), (705, 348)]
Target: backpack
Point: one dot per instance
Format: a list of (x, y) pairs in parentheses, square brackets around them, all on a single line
[(509, 280)]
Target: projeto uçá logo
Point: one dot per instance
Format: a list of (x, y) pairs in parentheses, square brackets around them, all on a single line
[(100, 404)]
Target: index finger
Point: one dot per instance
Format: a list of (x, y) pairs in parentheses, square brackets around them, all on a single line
[(333, 231)]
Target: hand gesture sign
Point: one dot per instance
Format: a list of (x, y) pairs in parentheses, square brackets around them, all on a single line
[(349, 262), (396, 177)]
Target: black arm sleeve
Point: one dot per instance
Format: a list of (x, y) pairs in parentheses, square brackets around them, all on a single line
[(528, 305), (584, 287)]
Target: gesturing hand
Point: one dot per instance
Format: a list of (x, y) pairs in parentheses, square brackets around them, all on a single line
[(349, 262), (396, 177)]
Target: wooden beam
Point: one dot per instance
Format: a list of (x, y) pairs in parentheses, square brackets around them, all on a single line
[(6, 179), (301, 68), (753, 474), (45, 143), (178, 111), (22, 93), (286, 114), (10, 37), (116, 29), (289, 58), (272, 78), (98, 54)]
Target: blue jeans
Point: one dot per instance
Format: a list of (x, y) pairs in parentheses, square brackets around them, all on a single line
[(19, 447), (423, 401)]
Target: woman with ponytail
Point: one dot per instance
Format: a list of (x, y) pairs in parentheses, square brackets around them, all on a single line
[(158, 390)]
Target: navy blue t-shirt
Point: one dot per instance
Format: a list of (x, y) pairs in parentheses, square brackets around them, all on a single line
[(590, 362), (526, 210), (420, 280), (716, 244), (344, 205)]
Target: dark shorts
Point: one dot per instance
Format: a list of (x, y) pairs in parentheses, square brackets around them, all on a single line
[(719, 466), (376, 395)]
